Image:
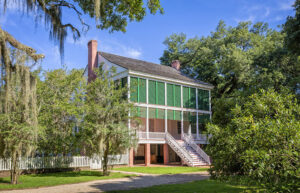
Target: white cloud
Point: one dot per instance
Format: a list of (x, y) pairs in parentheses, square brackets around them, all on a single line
[(278, 18), (3, 19), (286, 5), (249, 18), (134, 53), (267, 13), (108, 45), (54, 54)]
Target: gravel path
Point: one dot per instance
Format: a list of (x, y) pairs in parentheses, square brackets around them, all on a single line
[(117, 184)]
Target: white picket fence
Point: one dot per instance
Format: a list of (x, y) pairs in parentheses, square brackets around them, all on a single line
[(63, 162)]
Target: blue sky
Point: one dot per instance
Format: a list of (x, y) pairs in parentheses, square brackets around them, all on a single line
[(144, 40)]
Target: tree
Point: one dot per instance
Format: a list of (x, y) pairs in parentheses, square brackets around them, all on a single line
[(238, 61), (18, 111), (60, 109), (261, 141), (105, 131), (112, 15), (292, 29)]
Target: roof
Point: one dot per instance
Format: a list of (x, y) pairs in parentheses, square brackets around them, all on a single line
[(149, 68)]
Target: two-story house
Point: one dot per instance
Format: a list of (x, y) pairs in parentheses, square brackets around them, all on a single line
[(171, 106)]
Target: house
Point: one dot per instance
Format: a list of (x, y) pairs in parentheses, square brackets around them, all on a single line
[(171, 106)]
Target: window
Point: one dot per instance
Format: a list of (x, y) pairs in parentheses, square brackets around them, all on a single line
[(142, 90), (185, 97), (134, 89), (138, 90), (189, 97), (124, 82), (156, 92), (173, 95), (192, 98), (179, 127), (151, 92), (203, 99), (160, 93)]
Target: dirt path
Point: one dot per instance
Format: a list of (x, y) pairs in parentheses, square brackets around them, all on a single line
[(117, 184)]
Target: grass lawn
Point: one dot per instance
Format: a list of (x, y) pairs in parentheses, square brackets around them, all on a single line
[(203, 186), (52, 179), (161, 170)]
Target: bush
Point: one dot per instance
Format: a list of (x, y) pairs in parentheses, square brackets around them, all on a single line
[(261, 141)]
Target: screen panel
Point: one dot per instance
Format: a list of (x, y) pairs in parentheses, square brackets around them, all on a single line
[(192, 98), (142, 90), (203, 99), (177, 91), (185, 97), (170, 96), (151, 92), (160, 93), (133, 89)]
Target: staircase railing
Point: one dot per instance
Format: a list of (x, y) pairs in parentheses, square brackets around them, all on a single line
[(190, 141), (181, 152)]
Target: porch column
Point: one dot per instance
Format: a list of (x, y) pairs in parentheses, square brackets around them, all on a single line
[(166, 154), (128, 93), (131, 157), (147, 154), (147, 122), (166, 111), (197, 124), (147, 110), (181, 101), (182, 124)]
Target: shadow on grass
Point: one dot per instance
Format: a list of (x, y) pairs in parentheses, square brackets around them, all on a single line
[(145, 182), (4, 181), (203, 186), (70, 174)]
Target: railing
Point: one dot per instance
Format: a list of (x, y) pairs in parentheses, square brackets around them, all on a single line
[(201, 137), (62, 162), (181, 152), (152, 135), (189, 140), (142, 135), (47, 162)]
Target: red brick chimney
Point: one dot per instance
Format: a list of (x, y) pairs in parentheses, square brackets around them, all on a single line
[(176, 64), (92, 59)]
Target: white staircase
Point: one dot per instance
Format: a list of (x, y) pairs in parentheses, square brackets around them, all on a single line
[(196, 158), (187, 150)]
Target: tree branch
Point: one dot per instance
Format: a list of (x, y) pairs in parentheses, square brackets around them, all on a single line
[(28, 50)]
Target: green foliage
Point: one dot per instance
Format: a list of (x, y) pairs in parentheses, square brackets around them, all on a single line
[(109, 14), (238, 61), (161, 170), (18, 111), (201, 186), (292, 28), (60, 100), (261, 140), (105, 123), (113, 15)]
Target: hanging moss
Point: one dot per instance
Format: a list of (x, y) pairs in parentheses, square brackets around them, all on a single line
[(18, 106)]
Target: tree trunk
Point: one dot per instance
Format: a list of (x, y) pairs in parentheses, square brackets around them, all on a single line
[(14, 171), (105, 159)]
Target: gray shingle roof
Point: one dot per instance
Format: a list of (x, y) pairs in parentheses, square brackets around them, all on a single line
[(149, 68)]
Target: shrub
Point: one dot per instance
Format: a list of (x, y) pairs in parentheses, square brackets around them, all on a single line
[(262, 141)]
